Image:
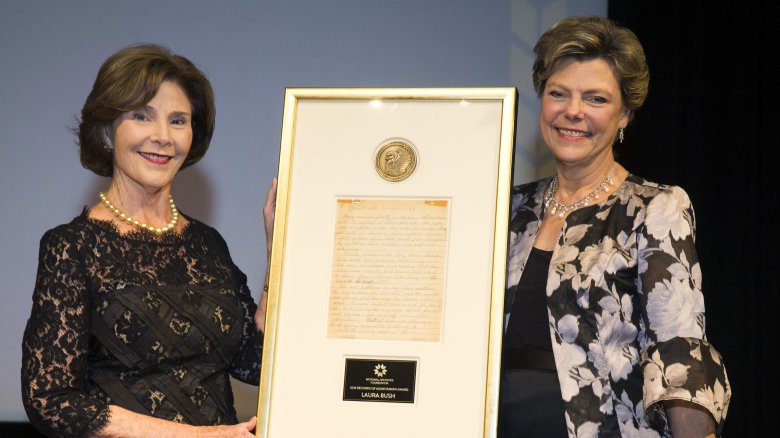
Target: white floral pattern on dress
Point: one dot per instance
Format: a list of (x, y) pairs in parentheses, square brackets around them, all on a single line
[(625, 308)]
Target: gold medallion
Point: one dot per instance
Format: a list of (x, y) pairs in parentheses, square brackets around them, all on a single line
[(396, 160)]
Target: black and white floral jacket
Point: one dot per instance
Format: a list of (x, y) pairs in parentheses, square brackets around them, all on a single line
[(625, 308)]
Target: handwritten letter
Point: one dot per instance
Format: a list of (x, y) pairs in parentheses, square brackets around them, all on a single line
[(388, 269)]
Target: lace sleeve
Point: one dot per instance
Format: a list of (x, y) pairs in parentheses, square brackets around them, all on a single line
[(246, 364), (55, 343), (678, 362)]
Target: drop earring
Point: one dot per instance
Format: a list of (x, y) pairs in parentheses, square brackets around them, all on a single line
[(620, 135), (107, 141)]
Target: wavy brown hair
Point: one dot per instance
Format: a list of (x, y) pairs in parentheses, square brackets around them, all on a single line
[(586, 38), (128, 80)]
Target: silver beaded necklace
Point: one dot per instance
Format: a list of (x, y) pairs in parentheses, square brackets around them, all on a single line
[(562, 209)]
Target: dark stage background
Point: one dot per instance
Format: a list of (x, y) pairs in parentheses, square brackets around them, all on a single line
[(709, 125)]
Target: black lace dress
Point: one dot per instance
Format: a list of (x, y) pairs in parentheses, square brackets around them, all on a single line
[(153, 324)]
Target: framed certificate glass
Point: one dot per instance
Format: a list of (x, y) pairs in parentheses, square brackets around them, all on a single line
[(387, 272)]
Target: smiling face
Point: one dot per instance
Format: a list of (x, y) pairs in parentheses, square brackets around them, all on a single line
[(581, 112), (152, 142)]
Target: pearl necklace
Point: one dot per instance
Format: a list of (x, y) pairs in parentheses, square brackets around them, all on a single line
[(170, 226), (549, 196)]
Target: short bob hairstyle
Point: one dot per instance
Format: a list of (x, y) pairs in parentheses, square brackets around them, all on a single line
[(587, 38), (128, 80)]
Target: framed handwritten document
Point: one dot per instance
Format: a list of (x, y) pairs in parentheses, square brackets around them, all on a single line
[(387, 282)]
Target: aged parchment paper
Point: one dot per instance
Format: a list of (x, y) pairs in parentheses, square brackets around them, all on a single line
[(388, 271)]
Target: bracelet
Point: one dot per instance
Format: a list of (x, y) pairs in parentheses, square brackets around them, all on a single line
[(265, 287)]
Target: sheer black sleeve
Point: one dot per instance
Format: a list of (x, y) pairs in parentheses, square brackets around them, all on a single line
[(55, 344), (246, 364)]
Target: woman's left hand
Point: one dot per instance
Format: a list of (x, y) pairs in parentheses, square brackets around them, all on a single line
[(269, 214), (261, 310)]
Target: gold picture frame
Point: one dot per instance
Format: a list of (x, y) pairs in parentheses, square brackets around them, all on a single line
[(387, 274)]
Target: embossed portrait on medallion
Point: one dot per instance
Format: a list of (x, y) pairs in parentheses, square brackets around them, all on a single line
[(396, 160)]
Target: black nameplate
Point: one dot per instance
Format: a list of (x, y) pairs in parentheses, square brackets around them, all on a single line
[(379, 380)]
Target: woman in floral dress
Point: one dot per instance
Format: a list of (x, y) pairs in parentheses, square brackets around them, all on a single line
[(605, 328)]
